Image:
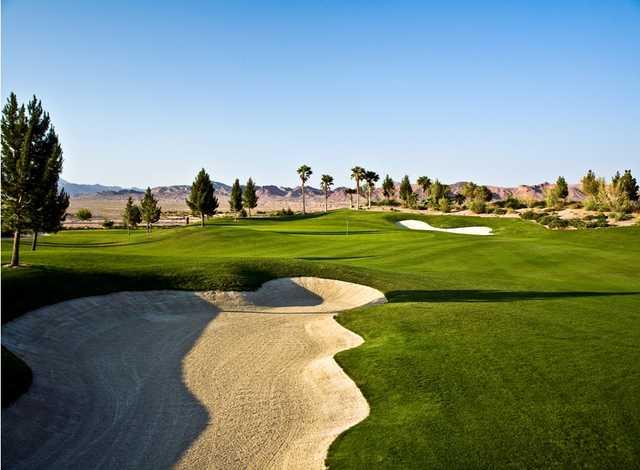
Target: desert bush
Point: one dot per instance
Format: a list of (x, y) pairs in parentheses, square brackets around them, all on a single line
[(500, 211), (512, 202), (284, 212), (108, 223), (596, 221), (84, 214), (577, 223), (444, 205), (530, 215), (478, 205)]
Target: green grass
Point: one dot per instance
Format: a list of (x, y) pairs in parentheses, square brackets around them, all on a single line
[(519, 350)]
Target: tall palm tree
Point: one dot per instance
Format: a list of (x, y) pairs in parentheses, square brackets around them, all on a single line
[(304, 172), (424, 182), (357, 173), (371, 177), (326, 181)]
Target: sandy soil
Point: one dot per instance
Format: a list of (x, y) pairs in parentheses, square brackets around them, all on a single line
[(420, 225), (159, 379)]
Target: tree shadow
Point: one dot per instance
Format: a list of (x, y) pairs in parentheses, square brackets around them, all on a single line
[(105, 395), (477, 295), (326, 232), (333, 258)]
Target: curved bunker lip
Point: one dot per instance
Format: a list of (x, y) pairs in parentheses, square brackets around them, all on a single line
[(164, 378), (412, 224), (297, 295)]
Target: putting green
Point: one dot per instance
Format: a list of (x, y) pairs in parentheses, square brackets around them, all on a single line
[(521, 349)]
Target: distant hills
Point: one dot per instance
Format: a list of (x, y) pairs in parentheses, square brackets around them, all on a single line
[(524, 192), (109, 201)]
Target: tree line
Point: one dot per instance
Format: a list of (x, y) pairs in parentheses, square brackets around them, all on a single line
[(31, 166)]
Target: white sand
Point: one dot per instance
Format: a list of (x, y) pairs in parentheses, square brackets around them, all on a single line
[(159, 379), (420, 225)]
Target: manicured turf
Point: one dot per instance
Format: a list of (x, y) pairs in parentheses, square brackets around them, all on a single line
[(517, 350)]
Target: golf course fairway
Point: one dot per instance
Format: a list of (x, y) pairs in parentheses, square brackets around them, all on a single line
[(520, 349)]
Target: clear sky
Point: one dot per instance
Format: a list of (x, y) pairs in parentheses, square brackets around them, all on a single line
[(499, 92)]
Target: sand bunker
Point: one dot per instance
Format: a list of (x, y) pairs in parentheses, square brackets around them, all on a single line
[(420, 225), (159, 379)]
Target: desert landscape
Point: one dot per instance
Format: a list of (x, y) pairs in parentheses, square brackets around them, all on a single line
[(320, 235)]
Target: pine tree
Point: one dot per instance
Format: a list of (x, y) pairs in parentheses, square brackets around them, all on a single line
[(49, 205), (326, 181), (249, 196), (304, 172), (150, 211), (31, 164), (388, 187), (202, 201), (628, 185), (562, 189), (131, 216), (590, 184), (405, 190), (235, 198)]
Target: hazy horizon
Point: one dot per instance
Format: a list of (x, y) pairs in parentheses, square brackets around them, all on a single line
[(147, 93)]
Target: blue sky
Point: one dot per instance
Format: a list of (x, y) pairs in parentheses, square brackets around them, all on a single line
[(499, 92)]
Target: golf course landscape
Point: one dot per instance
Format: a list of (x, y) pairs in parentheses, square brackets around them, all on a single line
[(520, 349)]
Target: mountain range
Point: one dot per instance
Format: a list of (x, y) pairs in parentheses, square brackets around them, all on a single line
[(109, 201)]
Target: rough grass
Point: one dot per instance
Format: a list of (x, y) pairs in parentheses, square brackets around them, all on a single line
[(517, 350)]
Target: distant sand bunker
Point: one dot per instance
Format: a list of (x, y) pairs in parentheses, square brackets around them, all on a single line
[(159, 379), (420, 225)]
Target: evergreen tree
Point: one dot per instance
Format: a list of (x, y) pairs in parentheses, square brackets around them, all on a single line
[(424, 182), (131, 216), (628, 185), (249, 196), (31, 164), (388, 187), (438, 191), (562, 189), (326, 181), (202, 201), (150, 211), (590, 184), (49, 205), (405, 190), (304, 172), (235, 198)]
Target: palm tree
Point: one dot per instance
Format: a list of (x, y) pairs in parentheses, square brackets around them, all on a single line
[(371, 177), (304, 172), (357, 173), (424, 182), (326, 181), (350, 192)]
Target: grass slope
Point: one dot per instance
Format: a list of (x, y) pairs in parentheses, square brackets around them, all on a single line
[(517, 350)]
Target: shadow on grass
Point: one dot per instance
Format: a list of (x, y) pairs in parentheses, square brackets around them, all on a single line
[(332, 258), (490, 295), (326, 232)]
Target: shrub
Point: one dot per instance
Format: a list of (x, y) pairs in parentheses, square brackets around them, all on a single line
[(530, 215), (577, 223), (243, 213), (443, 205), (84, 214), (284, 212), (512, 202), (478, 205), (107, 223), (500, 211)]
